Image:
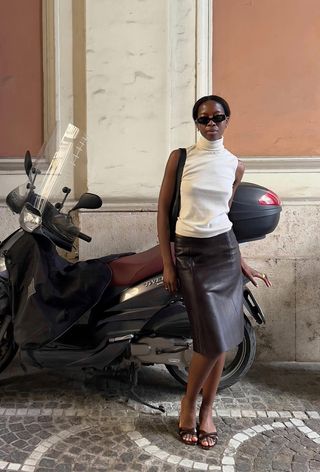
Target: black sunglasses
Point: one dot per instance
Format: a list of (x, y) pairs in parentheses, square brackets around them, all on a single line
[(204, 120)]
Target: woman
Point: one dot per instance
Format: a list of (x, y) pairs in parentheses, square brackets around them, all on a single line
[(208, 262)]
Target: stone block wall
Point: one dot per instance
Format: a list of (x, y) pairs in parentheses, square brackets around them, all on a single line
[(290, 256)]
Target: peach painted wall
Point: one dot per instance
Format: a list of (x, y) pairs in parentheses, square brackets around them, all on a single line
[(266, 63), (21, 102)]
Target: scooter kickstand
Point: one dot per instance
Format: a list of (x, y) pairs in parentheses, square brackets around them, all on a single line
[(133, 376)]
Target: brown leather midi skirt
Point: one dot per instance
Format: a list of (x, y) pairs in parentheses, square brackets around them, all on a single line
[(209, 273)]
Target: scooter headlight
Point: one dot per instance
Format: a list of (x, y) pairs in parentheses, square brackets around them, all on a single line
[(30, 218)]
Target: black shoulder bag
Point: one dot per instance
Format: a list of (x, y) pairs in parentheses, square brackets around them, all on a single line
[(175, 203)]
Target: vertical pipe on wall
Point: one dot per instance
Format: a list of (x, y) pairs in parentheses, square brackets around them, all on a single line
[(57, 76), (80, 88), (182, 71), (49, 82), (204, 32)]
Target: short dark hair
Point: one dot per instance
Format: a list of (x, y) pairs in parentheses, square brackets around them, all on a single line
[(213, 98)]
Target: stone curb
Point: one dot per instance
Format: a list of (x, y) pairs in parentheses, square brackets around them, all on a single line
[(222, 413)]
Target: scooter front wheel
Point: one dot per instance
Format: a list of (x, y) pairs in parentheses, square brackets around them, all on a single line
[(238, 361)]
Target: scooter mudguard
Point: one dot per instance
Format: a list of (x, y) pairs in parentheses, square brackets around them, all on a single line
[(170, 321)]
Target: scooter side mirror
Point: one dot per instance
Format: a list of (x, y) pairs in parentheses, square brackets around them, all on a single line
[(88, 200), (27, 163)]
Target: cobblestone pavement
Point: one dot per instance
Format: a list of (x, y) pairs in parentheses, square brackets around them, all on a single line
[(62, 422)]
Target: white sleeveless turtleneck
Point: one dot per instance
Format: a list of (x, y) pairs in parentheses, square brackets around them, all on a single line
[(206, 188)]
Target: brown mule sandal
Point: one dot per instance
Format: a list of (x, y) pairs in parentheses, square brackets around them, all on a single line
[(203, 435), (184, 432)]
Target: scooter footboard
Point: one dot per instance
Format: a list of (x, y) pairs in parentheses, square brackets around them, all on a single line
[(97, 358)]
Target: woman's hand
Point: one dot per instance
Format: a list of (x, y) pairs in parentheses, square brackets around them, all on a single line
[(251, 273), (170, 280)]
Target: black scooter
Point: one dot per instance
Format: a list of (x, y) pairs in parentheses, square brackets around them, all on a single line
[(111, 312)]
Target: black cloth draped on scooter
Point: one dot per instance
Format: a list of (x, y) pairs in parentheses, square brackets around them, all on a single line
[(50, 293)]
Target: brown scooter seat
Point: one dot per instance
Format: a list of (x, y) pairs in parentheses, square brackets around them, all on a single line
[(131, 269)]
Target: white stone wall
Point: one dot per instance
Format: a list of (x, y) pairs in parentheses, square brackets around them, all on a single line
[(140, 87), (291, 256)]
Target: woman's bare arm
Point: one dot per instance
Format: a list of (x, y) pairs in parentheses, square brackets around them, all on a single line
[(164, 202), (238, 177)]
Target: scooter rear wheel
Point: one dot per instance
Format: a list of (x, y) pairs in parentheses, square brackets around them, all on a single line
[(238, 361), (8, 347)]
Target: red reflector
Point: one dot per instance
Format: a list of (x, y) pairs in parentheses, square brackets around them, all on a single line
[(269, 198)]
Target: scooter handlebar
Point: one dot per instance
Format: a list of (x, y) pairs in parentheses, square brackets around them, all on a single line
[(62, 225), (84, 237)]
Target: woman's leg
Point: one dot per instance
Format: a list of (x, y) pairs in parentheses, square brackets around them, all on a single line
[(199, 370), (209, 391)]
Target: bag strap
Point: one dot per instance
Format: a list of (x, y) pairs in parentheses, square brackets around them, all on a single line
[(175, 204), (182, 160), (180, 166)]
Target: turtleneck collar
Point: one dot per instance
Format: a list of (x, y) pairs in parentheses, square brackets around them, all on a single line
[(206, 145)]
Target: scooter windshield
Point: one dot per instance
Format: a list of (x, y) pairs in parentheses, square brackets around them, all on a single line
[(48, 173), (40, 200)]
